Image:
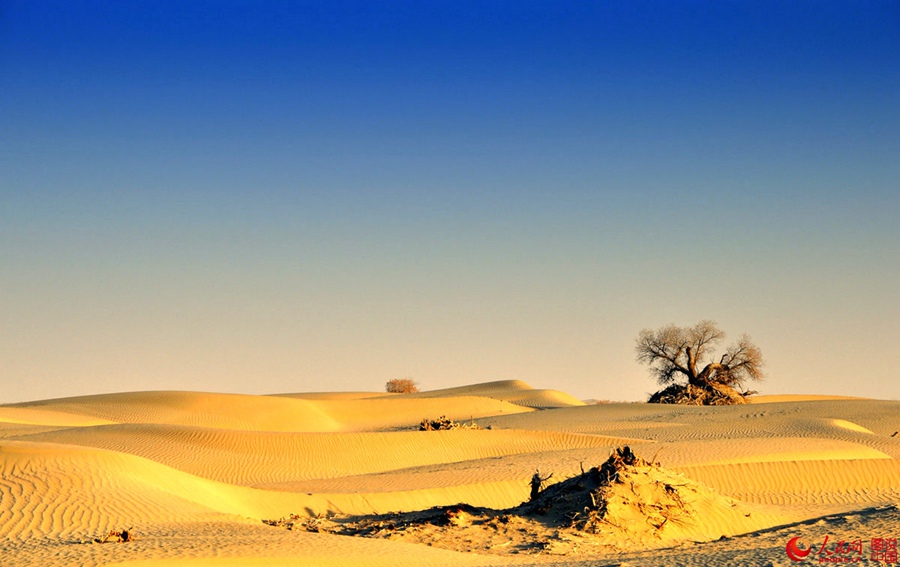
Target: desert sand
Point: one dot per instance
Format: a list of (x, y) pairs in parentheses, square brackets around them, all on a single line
[(192, 476)]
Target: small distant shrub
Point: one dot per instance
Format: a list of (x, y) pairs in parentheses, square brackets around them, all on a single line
[(401, 386)]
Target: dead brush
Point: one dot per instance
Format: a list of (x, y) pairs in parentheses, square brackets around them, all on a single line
[(116, 536), (317, 523), (285, 522), (585, 502), (444, 423), (690, 395)]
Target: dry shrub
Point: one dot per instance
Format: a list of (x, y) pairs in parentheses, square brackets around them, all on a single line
[(444, 423), (401, 386), (116, 536)]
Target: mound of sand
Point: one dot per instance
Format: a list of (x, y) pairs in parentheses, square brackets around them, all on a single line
[(249, 458), (199, 409), (688, 394), (255, 413), (623, 503), (512, 391), (36, 416)]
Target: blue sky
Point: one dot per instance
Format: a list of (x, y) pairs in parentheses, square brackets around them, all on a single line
[(268, 197)]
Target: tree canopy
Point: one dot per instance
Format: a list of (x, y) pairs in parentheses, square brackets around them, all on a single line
[(674, 353)]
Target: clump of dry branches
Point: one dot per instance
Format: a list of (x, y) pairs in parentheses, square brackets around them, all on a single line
[(688, 394), (116, 537), (444, 423), (285, 522), (308, 523)]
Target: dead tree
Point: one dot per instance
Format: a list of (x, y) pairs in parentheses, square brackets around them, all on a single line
[(537, 481), (685, 352)]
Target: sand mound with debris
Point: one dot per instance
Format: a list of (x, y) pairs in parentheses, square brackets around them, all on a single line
[(625, 503), (688, 394)]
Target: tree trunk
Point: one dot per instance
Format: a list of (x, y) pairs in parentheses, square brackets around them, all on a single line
[(698, 382), (708, 371)]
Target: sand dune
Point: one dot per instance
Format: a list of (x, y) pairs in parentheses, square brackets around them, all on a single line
[(821, 482), (86, 491), (759, 450), (60, 490), (249, 458), (777, 398), (334, 395), (400, 412), (512, 391), (195, 473), (263, 413), (224, 411), (36, 416)]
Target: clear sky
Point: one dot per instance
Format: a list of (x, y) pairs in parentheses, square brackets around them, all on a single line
[(271, 197)]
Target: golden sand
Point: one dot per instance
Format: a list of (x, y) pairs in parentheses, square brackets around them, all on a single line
[(192, 475)]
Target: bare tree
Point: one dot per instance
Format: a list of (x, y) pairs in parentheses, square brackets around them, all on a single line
[(686, 352), (401, 386)]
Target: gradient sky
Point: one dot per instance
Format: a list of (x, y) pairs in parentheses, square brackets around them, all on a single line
[(267, 197)]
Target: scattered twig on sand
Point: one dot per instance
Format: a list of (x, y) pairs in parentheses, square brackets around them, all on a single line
[(317, 523), (287, 522)]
